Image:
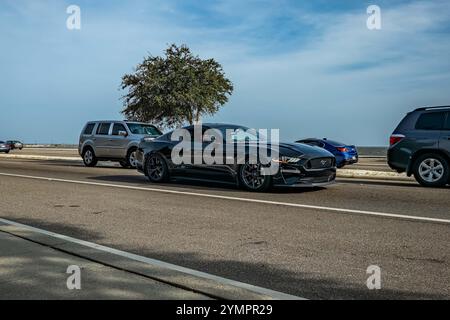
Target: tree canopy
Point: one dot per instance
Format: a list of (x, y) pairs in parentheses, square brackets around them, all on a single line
[(177, 88)]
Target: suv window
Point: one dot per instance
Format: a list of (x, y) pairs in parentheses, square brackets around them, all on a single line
[(89, 128), (431, 121), (147, 129), (103, 128), (118, 127), (447, 123)]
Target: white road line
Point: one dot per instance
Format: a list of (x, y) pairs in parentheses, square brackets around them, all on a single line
[(277, 203), (162, 264)]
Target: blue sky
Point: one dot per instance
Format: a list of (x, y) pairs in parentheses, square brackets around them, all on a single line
[(310, 68)]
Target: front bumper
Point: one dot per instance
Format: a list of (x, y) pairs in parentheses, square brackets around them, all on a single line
[(298, 177)]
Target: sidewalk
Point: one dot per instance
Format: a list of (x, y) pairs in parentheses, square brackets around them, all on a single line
[(32, 271), (34, 264)]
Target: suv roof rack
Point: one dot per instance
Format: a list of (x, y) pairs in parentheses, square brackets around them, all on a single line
[(432, 108)]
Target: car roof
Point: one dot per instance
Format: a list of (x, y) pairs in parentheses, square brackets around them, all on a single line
[(334, 143), (433, 108), (121, 121)]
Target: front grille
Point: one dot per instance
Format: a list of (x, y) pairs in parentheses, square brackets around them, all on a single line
[(320, 163)]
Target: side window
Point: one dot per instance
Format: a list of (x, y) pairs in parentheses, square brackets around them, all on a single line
[(447, 123), (89, 128), (118, 127), (431, 121), (103, 128), (314, 143)]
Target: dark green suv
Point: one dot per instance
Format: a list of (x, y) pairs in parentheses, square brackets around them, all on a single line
[(420, 146)]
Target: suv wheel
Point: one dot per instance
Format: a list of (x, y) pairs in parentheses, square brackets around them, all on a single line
[(251, 179), (156, 168), (432, 170), (89, 158), (131, 161)]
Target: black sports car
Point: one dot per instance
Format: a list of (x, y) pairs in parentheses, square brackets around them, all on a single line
[(296, 164)]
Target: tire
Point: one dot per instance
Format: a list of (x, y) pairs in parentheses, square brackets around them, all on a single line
[(156, 168), (250, 180), (130, 161), (431, 170), (89, 158), (7, 151)]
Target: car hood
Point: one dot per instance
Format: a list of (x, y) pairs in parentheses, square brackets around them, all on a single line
[(299, 149), (311, 151)]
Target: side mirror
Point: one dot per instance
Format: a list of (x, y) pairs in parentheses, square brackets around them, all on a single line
[(123, 133)]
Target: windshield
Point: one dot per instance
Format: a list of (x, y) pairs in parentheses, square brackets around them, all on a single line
[(242, 134), (146, 129)]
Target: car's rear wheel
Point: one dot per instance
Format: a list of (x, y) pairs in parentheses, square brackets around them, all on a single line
[(251, 178), (432, 170), (156, 168), (89, 158)]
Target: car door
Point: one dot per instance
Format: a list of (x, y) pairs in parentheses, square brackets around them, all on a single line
[(444, 141), (118, 143), (102, 140)]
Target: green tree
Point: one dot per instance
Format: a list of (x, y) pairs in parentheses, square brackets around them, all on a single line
[(175, 89)]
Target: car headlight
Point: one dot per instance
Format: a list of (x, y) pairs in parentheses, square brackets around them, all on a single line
[(287, 160)]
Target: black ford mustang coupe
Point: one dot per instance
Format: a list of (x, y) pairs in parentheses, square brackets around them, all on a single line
[(296, 164)]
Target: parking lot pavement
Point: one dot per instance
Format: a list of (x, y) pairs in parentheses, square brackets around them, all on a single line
[(33, 271), (308, 243)]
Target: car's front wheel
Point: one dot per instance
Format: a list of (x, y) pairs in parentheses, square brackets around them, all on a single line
[(432, 170), (156, 168), (89, 158), (252, 179)]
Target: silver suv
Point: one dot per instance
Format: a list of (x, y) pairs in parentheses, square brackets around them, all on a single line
[(113, 141)]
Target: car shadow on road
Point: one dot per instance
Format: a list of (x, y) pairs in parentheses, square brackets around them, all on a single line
[(183, 183), (310, 285)]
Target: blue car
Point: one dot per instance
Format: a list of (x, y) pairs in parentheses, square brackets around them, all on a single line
[(344, 154)]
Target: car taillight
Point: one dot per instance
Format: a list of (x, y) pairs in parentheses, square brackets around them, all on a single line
[(395, 138), (340, 149)]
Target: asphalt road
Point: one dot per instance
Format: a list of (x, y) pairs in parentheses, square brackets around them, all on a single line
[(303, 242)]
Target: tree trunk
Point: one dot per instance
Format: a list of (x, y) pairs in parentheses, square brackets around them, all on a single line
[(197, 116)]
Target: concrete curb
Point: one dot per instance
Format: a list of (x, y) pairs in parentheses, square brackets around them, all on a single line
[(38, 157), (184, 278), (372, 174)]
